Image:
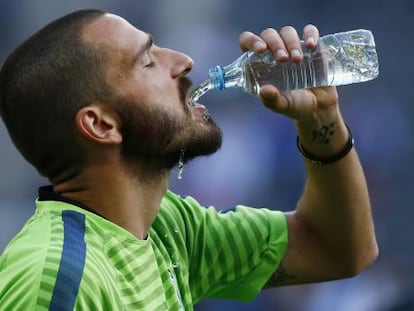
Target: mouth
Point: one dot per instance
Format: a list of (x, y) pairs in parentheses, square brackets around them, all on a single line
[(196, 109), (190, 99), (195, 105)]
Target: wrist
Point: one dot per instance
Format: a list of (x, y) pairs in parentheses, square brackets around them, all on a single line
[(323, 158)]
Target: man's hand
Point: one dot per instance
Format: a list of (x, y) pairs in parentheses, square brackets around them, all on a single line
[(300, 105)]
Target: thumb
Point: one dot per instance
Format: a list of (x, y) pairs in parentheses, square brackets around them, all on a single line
[(296, 104), (272, 99)]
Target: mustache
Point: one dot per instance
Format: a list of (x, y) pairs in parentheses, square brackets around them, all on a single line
[(184, 85)]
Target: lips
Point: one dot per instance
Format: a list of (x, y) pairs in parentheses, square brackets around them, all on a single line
[(195, 105), (198, 106)]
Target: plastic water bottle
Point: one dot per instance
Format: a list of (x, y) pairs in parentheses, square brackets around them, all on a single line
[(339, 59)]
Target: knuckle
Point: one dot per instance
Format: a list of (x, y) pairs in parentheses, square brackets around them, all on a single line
[(268, 31), (310, 27), (245, 35), (245, 39), (287, 29), (311, 30)]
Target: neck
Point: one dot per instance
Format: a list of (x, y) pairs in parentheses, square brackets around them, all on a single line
[(120, 194)]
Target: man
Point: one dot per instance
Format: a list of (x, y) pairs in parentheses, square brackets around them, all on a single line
[(103, 113)]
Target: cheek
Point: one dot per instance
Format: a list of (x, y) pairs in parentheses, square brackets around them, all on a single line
[(157, 91), (140, 92), (168, 99)]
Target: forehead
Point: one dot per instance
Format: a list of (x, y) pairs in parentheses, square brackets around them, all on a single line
[(114, 32)]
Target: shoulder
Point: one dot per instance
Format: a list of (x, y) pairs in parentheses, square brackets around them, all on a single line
[(22, 265), (42, 256), (180, 209)]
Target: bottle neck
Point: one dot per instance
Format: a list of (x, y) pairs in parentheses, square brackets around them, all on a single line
[(217, 79)]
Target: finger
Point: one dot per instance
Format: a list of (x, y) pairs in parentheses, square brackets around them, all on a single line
[(250, 41), (310, 36), (291, 39), (272, 99), (275, 44)]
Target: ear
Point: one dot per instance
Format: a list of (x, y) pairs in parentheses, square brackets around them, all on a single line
[(98, 124)]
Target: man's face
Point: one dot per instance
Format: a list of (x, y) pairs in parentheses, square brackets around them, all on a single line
[(151, 93)]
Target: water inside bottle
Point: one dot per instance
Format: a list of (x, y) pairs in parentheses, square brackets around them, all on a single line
[(355, 61), (351, 62), (287, 76)]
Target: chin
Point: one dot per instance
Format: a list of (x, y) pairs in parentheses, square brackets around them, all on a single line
[(207, 144)]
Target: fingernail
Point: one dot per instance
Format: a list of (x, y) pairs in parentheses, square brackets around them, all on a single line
[(294, 53), (281, 53)]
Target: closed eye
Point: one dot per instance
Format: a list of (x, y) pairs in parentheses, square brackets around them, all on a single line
[(143, 56), (150, 64)]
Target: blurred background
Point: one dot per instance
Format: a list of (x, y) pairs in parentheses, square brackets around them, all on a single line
[(258, 164)]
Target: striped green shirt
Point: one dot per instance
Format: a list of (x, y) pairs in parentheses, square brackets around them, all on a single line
[(68, 258)]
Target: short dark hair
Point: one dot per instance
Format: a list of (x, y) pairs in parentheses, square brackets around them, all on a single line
[(43, 84)]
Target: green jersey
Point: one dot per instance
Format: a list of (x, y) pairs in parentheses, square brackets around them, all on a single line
[(69, 258)]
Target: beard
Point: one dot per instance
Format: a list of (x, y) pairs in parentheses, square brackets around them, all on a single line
[(157, 138)]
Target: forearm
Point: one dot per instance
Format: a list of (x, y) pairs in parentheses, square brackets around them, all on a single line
[(335, 206)]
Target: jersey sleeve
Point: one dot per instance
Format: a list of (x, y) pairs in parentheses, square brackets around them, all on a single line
[(232, 254), (21, 268)]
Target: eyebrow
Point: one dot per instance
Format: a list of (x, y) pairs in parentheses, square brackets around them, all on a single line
[(145, 47)]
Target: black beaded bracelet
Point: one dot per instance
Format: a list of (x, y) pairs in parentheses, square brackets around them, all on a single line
[(328, 160)]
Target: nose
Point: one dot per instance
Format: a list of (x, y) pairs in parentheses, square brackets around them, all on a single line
[(181, 64)]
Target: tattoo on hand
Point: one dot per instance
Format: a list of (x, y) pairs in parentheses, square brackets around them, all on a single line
[(279, 277), (324, 134)]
